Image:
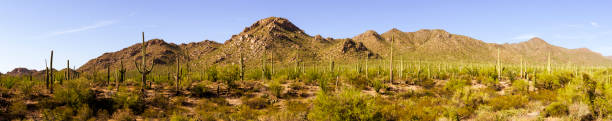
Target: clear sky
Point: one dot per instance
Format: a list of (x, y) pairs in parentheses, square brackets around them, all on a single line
[(80, 30)]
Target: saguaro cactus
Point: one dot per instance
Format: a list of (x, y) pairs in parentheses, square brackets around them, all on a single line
[(121, 73), (498, 67), (142, 68), (366, 66), (548, 65), (47, 74), (391, 61), (51, 77), (241, 66), (108, 74), (178, 74), (67, 71)]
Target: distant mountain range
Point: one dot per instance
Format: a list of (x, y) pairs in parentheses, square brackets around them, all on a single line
[(277, 39)]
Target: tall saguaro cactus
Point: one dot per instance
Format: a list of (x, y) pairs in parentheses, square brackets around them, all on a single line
[(121, 76), (108, 80), (178, 74), (121, 73), (51, 77), (67, 71), (241, 66), (47, 74), (498, 67), (142, 68), (391, 61), (548, 65)]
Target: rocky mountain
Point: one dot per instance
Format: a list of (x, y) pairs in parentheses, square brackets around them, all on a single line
[(158, 52), (277, 39), (21, 71)]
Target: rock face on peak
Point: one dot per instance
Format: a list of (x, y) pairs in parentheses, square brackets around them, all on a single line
[(272, 24)]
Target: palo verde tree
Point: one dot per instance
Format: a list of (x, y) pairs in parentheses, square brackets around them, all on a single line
[(142, 68)]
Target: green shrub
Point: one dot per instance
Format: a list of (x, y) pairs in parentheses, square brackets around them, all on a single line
[(124, 115), (132, 100), (230, 74), (18, 109), (357, 80), (74, 93), (556, 109), (508, 102), (178, 117), (378, 84), (348, 105), (454, 84), (520, 86), (212, 74), (199, 90), (256, 103), (275, 88), (311, 76)]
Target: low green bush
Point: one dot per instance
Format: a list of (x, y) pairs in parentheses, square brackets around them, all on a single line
[(505, 102), (349, 104), (556, 109), (275, 88)]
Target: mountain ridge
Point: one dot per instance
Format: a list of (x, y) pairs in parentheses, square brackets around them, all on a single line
[(277, 39)]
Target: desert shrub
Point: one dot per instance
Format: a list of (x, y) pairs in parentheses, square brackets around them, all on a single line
[(416, 94), (256, 103), (74, 93), (212, 74), (377, 84), (347, 105), (18, 109), (490, 82), (244, 113), (311, 76), (556, 109), (210, 110), (27, 88), (454, 84), (230, 74), (275, 88), (425, 82), (357, 80), (84, 113), (8, 83), (292, 74), (547, 81), (520, 86), (62, 113), (199, 90), (505, 102), (132, 100), (178, 117), (124, 115), (160, 101), (324, 85)]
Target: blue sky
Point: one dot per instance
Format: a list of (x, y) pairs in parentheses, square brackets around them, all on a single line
[(80, 30)]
